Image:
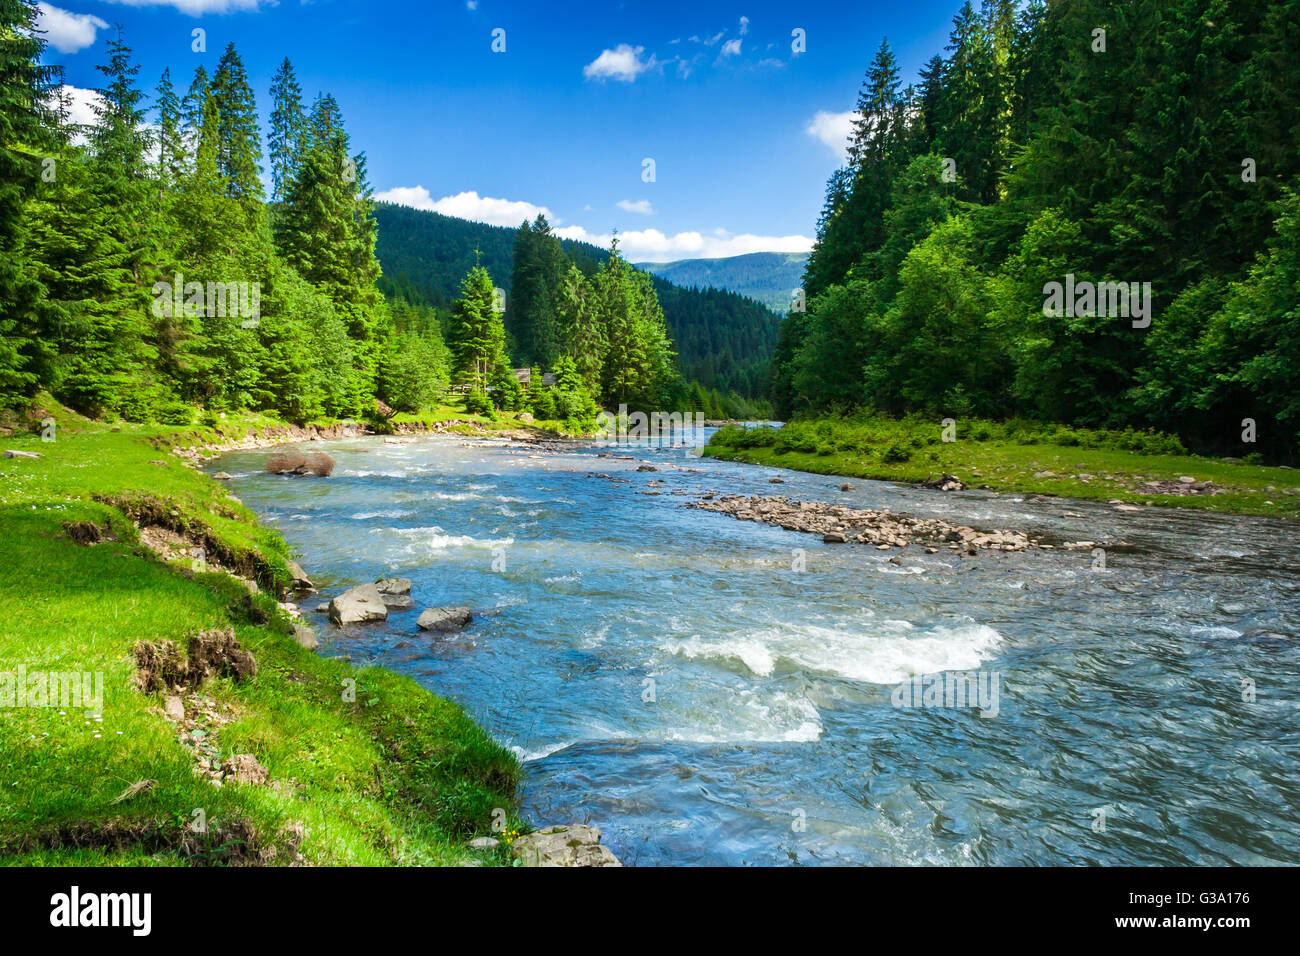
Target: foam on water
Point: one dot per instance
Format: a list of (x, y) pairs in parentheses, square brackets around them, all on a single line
[(884, 652)]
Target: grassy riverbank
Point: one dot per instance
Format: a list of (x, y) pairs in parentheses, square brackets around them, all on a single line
[(396, 775), (1016, 457)]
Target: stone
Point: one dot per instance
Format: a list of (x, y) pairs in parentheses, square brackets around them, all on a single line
[(1187, 480), (222, 476), (834, 537), (358, 605), (300, 579), (245, 769), (305, 637), (444, 618), (647, 468), (394, 586), (526, 418), (10, 453), (846, 487), (563, 846), (174, 709), (484, 843)]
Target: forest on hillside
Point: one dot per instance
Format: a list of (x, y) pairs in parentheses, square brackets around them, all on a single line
[(1055, 151), (145, 274), (724, 340), (767, 277)]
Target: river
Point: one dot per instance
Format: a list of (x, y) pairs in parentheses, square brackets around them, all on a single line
[(713, 691)]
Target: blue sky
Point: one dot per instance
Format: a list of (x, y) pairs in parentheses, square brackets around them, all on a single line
[(742, 130)]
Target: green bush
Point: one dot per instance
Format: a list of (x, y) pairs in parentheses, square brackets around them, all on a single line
[(174, 412), (478, 403)]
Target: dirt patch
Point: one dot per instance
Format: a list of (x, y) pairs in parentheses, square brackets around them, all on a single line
[(217, 653), (159, 666), (87, 532), (170, 534)]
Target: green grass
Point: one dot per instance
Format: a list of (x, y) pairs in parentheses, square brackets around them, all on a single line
[(1008, 461), (400, 776)]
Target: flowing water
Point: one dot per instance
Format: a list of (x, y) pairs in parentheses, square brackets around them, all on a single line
[(714, 691)]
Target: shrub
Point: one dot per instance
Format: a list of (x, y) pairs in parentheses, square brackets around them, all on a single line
[(478, 403), (174, 412), (896, 453)]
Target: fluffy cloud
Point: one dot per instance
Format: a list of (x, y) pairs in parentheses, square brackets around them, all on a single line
[(196, 8), (641, 206), (651, 245), (833, 129), (730, 48), (744, 25), (79, 105), (467, 205), (621, 63), (68, 32), (640, 245)]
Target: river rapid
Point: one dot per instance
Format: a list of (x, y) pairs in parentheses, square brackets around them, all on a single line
[(714, 691)]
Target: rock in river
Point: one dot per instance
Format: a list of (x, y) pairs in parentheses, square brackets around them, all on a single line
[(563, 846), (444, 618), (359, 605)]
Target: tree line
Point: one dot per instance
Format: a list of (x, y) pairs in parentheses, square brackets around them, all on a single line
[(1081, 143), (724, 341)]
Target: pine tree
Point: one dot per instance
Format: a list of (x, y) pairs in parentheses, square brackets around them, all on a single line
[(25, 121), (239, 145), (171, 146), (288, 129), (478, 336)]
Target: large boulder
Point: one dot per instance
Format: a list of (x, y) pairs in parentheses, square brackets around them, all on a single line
[(563, 846), (444, 618), (359, 605)]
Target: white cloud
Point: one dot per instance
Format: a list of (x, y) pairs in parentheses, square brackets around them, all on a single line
[(833, 129), (80, 106), (771, 61), (714, 39), (640, 245), (641, 206), (621, 63), (471, 4), (651, 245), (195, 8), (744, 25), (467, 205), (730, 48), (67, 32)]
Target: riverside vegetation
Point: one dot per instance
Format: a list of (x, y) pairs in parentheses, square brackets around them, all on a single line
[(1019, 456), (394, 775)]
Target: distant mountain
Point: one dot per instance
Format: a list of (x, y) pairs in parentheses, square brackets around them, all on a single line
[(724, 340), (767, 277)]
